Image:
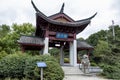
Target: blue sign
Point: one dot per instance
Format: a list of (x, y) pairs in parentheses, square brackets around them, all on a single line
[(62, 35), (41, 64)]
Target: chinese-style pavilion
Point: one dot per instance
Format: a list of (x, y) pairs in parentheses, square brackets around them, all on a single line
[(58, 30)]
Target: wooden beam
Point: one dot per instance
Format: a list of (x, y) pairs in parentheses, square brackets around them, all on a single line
[(28, 44), (68, 39), (54, 33)]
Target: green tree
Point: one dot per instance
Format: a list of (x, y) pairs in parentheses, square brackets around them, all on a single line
[(107, 51), (8, 43), (4, 30), (54, 51), (101, 51), (102, 48), (94, 38)]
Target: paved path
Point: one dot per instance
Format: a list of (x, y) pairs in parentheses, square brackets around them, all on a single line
[(73, 73), (81, 77)]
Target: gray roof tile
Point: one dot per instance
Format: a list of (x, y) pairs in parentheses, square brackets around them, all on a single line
[(82, 44), (31, 40)]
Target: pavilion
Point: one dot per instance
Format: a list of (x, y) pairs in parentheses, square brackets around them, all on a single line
[(58, 30)]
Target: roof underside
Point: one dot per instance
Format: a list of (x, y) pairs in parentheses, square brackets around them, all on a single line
[(54, 16), (67, 24), (35, 43), (79, 25)]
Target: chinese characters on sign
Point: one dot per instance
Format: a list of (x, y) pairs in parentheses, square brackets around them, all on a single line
[(62, 35)]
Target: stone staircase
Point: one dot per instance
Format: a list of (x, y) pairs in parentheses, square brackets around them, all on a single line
[(74, 73), (70, 70)]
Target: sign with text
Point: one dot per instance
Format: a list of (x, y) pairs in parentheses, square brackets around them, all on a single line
[(61, 35), (41, 64)]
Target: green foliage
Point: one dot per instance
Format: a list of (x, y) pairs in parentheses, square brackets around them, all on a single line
[(66, 60), (101, 50), (3, 54), (8, 38), (4, 30), (54, 51), (107, 51), (93, 64), (13, 65), (15, 79), (17, 66), (94, 38), (111, 72), (24, 29), (52, 72), (81, 39)]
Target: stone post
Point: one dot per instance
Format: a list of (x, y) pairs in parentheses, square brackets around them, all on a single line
[(73, 53), (46, 46), (61, 56)]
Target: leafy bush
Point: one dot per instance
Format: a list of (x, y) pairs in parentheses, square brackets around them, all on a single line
[(17, 66), (66, 60), (93, 64), (52, 72), (2, 54), (8, 78), (13, 65), (111, 72)]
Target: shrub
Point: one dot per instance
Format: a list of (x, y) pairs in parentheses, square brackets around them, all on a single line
[(3, 54), (93, 64), (17, 66), (8, 78), (111, 72), (66, 60), (13, 65), (53, 71)]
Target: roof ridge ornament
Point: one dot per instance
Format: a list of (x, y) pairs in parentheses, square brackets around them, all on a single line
[(62, 8)]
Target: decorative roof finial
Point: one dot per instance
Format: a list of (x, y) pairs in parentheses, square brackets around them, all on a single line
[(62, 8)]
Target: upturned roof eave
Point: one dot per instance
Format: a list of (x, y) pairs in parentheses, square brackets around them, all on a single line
[(83, 44), (69, 24)]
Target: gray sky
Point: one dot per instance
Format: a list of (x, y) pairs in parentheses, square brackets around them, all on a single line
[(21, 11)]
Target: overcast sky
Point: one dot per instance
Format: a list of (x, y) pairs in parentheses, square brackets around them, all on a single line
[(21, 11)]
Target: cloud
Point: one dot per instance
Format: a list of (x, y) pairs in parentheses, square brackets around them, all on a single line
[(15, 11), (21, 11)]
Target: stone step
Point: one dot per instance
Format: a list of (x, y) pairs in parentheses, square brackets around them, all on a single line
[(70, 70), (75, 71)]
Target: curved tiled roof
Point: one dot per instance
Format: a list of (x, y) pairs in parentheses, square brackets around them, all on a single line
[(68, 24), (31, 40), (83, 45)]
